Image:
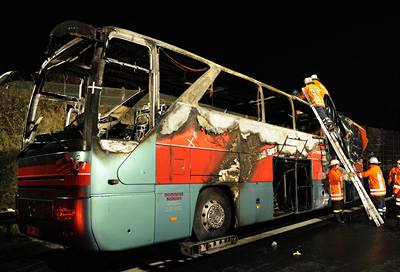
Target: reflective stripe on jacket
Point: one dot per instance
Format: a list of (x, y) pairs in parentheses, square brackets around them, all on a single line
[(397, 201), (336, 184), (324, 90), (377, 184), (315, 94), (394, 176)]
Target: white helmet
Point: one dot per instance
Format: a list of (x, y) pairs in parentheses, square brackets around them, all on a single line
[(334, 162), (314, 77), (373, 160), (307, 80)]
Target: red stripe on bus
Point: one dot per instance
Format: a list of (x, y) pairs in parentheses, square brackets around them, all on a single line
[(68, 180), (31, 175), (50, 170)]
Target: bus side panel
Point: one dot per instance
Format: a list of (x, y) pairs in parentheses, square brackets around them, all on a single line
[(194, 194), (172, 212), (140, 166), (123, 221), (317, 173), (318, 176), (317, 156), (205, 165), (172, 164), (255, 202), (263, 169), (321, 196), (135, 168), (123, 198)]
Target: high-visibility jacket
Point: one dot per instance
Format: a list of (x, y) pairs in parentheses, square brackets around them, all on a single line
[(321, 86), (377, 184), (336, 183), (394, 176), (315, 94)]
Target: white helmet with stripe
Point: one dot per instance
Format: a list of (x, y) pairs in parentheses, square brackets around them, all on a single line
[(308, 80), (334, 162), (373, 160)]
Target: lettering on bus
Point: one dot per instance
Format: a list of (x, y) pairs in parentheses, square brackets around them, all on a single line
[(173, 196)]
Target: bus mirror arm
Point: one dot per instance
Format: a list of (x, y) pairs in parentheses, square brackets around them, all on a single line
[(30, 136)]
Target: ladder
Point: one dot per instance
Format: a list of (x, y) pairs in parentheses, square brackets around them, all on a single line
[(368, 205)]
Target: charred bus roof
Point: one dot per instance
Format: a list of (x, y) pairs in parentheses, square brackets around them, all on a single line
[(66, 31), (69, 30)]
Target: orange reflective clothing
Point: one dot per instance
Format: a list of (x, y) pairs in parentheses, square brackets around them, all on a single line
[(394, 176), (336, 184), (322, 87), (377, 184), (315, 94)]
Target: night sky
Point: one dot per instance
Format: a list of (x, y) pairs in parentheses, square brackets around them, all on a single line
[(355, 53)]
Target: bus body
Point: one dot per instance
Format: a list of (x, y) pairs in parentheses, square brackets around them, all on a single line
[(130, 141)]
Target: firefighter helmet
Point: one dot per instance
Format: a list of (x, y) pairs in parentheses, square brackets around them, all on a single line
[(307, 80), (334, 162), (314, 77), (374, 160)]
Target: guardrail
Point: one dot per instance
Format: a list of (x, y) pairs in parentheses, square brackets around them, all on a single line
[(7, 218)]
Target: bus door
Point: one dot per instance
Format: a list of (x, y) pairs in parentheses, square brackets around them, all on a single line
[(292, 186), (123, 160)]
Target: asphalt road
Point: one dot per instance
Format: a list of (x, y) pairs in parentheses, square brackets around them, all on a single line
[(357, 245)]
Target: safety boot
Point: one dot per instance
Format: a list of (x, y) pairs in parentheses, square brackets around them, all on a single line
[(338, 218), (346, 215), (328, 124)]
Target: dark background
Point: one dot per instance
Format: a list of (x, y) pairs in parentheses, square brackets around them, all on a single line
[(354, 50)]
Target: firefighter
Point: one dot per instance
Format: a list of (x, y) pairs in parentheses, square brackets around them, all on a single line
[(394, 178), (377, 185), (316, 81), (336, 177), (345, 131), (316, 96)]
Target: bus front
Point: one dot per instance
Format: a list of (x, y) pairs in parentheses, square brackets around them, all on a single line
[(54, 164)]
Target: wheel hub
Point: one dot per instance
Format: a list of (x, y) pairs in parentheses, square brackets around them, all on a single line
[(213, 215)]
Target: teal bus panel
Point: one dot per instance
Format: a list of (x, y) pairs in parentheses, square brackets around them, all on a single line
[(320, 196), (172, 212), (140, 165), (255, 202), (123, 221), (135, 168), (194, 194)]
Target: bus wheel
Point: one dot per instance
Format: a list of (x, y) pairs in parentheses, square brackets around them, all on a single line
[(213, 215)]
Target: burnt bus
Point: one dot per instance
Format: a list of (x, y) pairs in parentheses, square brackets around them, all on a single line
[(131, 141)]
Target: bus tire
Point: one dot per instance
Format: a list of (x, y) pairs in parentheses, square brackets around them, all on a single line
[(213, 215)]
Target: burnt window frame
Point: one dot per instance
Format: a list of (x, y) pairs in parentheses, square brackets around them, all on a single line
[(289, 111), (147, 68), (227, 108)]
